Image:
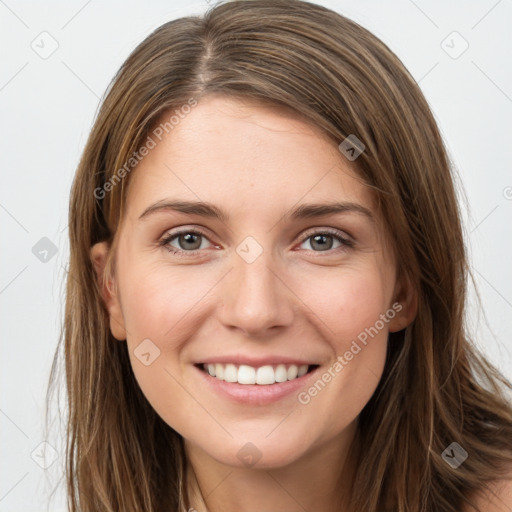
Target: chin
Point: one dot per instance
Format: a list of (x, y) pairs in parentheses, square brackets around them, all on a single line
[(257, 451)]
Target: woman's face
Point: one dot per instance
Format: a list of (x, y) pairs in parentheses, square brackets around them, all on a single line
[(244, 274)]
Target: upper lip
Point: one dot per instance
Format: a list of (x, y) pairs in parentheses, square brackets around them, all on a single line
[(256, 362)]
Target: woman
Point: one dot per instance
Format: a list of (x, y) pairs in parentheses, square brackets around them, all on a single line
[(308, 350)]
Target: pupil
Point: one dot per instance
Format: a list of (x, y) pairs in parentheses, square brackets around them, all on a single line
[(188, 238), (318, 242), (321, 239)]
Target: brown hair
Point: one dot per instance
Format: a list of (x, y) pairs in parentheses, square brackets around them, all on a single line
[(436, 388)]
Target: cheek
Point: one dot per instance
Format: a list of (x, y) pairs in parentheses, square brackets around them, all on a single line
[(167, 305), (158, 302), (349, 306), (347, 301), (158, 305)]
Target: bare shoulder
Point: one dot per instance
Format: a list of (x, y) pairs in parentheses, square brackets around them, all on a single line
[(497, 497)]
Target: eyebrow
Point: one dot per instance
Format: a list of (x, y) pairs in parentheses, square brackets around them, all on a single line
[(208, 210)]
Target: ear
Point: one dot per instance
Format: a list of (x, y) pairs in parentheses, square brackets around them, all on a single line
[(405, 303), (98, 254)]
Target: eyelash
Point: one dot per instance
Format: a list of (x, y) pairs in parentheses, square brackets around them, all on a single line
[(345, 242)]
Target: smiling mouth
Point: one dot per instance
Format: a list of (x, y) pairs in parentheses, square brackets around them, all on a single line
[(263, 375)]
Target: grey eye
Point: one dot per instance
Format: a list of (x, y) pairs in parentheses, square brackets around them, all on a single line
[(186, 241), (322, 242)]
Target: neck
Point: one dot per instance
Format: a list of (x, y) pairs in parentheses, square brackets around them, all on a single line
[(319, 480)]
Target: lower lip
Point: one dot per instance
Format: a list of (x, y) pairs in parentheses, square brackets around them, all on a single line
[(256, 394)]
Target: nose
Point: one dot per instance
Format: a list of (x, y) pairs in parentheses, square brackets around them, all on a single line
[(255, 297)]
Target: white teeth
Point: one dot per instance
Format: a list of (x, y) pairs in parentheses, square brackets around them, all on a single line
[(219, 371), (230, 373), (292, 372), (302, 370), (246, 375), (281, 374), (264, 375)]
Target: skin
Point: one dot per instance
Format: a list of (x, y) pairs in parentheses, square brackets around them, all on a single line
[(256, 164), (495, 497)]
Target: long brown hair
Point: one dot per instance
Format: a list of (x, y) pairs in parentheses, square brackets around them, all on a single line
[(436, 388)]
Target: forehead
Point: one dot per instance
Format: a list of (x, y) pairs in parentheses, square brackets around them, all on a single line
[(248, 155)]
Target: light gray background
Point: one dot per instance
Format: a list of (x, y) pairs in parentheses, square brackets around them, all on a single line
[(47, 108)]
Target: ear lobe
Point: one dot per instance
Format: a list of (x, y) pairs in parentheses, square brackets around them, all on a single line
[(99, 254), (406, 296)]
